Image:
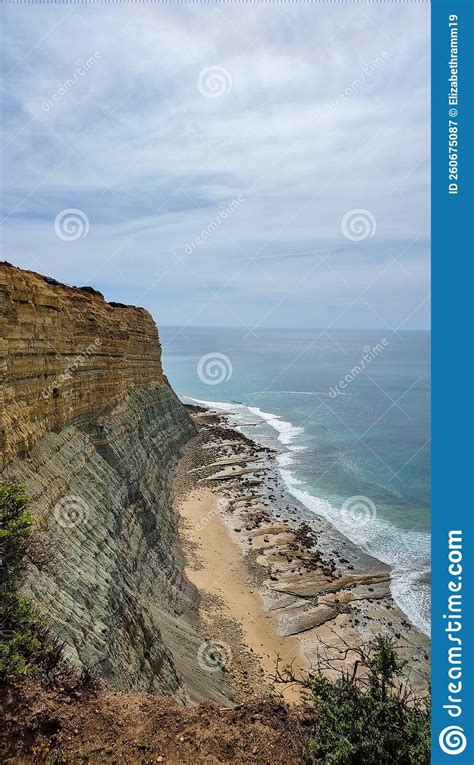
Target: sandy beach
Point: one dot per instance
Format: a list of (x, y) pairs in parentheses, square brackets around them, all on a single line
[(274, 580), (218, 570)]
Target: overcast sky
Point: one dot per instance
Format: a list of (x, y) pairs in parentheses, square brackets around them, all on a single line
[(159, 123)]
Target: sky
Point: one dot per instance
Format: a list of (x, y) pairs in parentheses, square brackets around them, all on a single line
[(230, 165)]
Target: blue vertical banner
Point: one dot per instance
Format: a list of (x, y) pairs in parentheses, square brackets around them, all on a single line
[(453, 383)]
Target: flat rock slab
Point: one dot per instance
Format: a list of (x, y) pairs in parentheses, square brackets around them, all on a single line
[(246, 498), (219, 444), (226, 475), (302, 621), (275, 531), (226, 462)]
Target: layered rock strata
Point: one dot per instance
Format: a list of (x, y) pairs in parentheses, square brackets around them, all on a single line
[(92, 429), (66, 354)]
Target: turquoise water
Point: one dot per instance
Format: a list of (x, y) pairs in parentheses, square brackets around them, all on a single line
[(349, 414)]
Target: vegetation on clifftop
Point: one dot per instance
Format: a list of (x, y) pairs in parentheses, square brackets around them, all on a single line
[(369, 718), (364, 711)]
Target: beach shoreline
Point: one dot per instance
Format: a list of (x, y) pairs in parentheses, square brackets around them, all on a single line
[(365, 522), (295, 585)]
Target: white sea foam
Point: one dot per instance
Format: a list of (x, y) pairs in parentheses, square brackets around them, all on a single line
[(407, 552), (287, 432)]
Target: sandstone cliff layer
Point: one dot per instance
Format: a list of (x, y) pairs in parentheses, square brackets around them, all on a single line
[(65, 354), (92, 429)]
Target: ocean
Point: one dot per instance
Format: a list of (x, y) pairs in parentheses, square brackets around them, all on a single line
[(348, 412)]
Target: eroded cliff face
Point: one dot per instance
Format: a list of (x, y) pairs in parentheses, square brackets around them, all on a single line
[(66, 354), (93, 430)]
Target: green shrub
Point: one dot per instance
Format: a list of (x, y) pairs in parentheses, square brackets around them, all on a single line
[(25, 642), (15, 528), (366, 717)]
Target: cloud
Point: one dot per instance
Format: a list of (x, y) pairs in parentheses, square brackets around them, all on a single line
[(326, 109)]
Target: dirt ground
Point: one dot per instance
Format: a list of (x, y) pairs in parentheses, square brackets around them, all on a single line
[(64, 723)]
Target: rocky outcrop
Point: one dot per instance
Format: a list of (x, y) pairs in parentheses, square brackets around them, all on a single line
[(93, 430)]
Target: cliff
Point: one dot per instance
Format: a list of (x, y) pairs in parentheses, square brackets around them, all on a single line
[(92, 429), (66, 354)]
